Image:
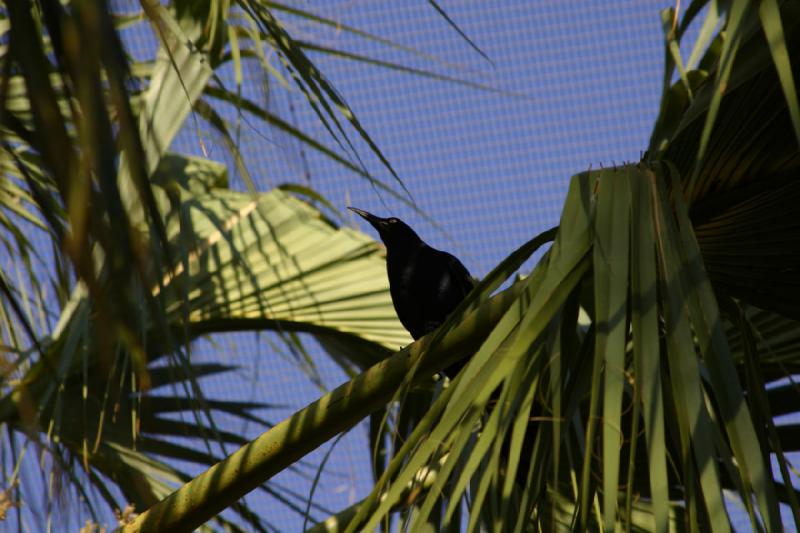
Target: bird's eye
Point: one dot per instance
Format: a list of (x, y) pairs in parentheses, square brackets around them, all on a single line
[(392, 221)]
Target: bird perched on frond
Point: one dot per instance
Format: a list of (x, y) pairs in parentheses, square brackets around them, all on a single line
[(426, 284)]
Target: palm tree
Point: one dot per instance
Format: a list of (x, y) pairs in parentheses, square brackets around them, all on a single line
[(128, 252), (628, 381)]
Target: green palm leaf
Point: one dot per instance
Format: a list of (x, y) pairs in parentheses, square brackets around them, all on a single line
[(251, 262), (268, 261)]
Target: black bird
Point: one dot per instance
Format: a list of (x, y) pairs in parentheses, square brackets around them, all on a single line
[(426, 284)]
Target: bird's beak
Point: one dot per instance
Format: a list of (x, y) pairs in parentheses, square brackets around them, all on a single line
[(376, 222)]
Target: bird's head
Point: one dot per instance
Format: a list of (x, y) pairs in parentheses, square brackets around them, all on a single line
[(393, 231)]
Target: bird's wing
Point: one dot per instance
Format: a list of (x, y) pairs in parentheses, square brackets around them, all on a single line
[(460, 275), (447, 290), (463, 283)]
